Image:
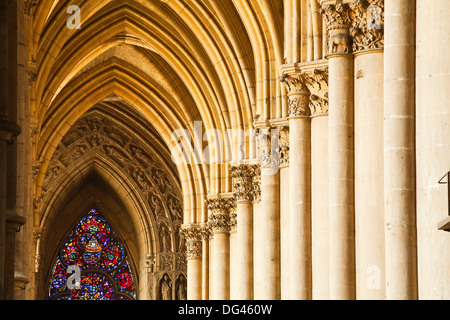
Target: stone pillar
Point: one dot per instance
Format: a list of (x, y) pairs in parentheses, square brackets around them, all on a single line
[(219, 222), (243, 192), (300, 187), (341, 152), (318, 104), (234, 255), (284, 212), (399, 150), (367, 35), (8, 131), (433, 162), (270, 216), (205, 236), (194, 261), (13, 224)]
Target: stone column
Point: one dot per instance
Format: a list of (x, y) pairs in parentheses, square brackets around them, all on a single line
[(300, 186), (8, 130), (205, 236), (194, 261), (367, 35), (284, 211), (341, 152), (318, 104), (399, 150), (219, 222), (234, 255), (243, 192), (270, 215), (13, 224)]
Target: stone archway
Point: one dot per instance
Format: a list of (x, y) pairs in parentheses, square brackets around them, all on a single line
[(107, 160)]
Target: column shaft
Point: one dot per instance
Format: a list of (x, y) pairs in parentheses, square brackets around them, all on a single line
[(270, 228), (319, 206), (369, 194), (341, 178), (300, 208), (221, 265), (245, 249), (399, 149)]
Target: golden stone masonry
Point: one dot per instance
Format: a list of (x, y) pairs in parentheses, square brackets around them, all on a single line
[(333, 185)]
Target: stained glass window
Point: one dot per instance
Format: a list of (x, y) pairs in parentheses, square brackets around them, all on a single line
[(92, 265)]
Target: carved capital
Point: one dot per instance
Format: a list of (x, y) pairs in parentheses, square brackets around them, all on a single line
[(220, 207), (243, 185), (298, 93), (192, 234), (318, 86), (284, 145), (257, 185), (367, 24), (338, 20), (268, 152)]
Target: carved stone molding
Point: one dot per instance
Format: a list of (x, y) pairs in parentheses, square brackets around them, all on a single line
[(220, 207), (367, 25), (243, 185), (338, 20)]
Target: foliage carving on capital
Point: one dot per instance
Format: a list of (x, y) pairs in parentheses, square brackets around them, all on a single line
[(220, 207), (367, 26), (284, 145), (268, 152), (318, 86), (192, 235), (243, 185), (338, 20)]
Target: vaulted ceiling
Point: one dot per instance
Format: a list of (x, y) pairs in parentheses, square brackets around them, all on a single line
[(163, 64)]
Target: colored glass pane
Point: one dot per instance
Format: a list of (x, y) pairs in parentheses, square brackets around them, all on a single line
[(105, 272)]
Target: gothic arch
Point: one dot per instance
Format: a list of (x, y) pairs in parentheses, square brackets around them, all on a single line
[(116, 164)]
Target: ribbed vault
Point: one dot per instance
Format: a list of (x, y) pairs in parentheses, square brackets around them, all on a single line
[(151, 67)]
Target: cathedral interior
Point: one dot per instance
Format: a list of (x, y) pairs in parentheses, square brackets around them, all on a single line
[(224, 150)]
